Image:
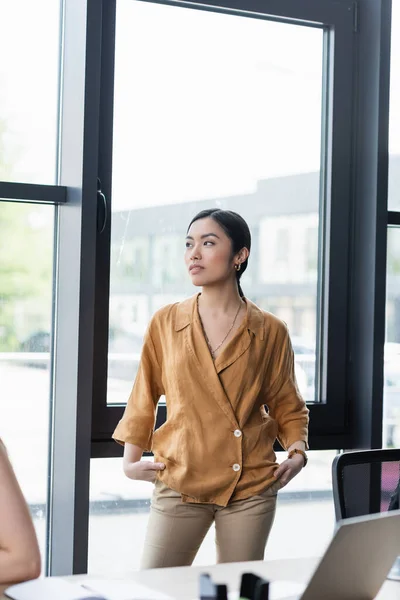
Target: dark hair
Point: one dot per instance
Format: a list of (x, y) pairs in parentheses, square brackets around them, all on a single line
[(235, 228)]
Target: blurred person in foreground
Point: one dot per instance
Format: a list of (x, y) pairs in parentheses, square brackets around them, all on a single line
[(19, 550), (226, 368)]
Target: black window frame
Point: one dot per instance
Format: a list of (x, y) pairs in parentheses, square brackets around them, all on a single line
[(338, 421)]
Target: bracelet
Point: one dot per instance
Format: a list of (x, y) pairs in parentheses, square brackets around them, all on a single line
[(297, 451)]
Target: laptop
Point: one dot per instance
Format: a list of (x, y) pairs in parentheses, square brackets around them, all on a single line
[(357, 560), (353, 567)]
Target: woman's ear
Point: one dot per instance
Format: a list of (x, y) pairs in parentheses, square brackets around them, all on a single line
[(242, 255)]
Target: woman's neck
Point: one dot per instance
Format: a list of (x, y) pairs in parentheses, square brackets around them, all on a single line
[(220, 299)]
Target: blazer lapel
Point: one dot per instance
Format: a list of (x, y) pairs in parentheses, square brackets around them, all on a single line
[(198, 349), (253, 324), (234, 349)]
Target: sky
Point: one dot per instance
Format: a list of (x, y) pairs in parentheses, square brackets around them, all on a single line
[(206, 104), (215, 102), (29, 50)]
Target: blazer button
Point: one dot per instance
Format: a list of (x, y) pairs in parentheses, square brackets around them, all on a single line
[(237, 433), (236, 467)]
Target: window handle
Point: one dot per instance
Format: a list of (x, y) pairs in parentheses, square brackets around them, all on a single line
[(102, 208)]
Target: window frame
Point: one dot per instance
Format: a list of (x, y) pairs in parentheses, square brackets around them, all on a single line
[(33, 192), (329, 418), (79, 212)]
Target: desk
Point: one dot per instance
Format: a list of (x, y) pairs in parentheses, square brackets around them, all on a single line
[(182, 582)]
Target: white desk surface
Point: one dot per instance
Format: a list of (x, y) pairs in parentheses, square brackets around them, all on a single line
[(182, 582)]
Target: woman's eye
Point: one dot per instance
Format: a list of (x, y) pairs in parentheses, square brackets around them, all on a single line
[(208, 242), (187, 245)]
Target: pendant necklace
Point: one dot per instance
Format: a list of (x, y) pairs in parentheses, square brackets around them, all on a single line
[(204, 331)]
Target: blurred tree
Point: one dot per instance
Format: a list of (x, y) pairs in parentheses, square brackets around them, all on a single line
[(393, 252), (25, 261)]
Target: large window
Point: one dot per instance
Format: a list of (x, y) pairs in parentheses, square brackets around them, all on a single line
[(29, 73), (247, 126), (230, 125), (391, 408), (26, 288), (29, 114), (242, 126), (394, 114)]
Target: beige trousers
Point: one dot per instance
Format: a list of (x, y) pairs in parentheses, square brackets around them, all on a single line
[(176, 529)]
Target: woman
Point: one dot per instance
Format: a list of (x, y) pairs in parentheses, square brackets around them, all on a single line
[(19, 551), (226, 369)]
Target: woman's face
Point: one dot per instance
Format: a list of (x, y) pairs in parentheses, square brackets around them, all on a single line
[(208, 254)]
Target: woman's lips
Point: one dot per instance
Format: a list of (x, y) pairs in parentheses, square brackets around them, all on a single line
[(195, 269)]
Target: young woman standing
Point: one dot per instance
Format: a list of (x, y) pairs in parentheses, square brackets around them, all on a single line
[(227, 371)]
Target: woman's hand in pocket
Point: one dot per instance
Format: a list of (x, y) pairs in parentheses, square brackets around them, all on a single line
[(143, 470), (288, 469)]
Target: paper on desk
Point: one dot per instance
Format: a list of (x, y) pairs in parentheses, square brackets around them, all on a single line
[(123, 590), (49, 589), (285, 590)]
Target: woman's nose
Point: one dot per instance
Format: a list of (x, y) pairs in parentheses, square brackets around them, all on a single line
[(195, 253)]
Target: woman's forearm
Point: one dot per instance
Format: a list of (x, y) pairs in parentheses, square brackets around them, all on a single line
[(300, 445), (132, 455)]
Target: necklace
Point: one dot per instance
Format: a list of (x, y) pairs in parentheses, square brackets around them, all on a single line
[(204, 331)]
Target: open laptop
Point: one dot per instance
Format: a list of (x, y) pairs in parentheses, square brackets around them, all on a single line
[(357, 560)]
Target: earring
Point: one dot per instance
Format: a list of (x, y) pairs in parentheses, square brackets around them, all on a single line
[(238, 267)]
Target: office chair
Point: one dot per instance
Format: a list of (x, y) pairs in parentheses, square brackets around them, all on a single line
[(365, 482)]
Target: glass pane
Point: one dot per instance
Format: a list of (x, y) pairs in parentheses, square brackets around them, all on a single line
[(391, 407), (394, 116), (223, 124), (119, 505), (30, 41), (26, 250)]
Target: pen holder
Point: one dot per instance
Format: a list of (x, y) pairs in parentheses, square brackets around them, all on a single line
[(252, 587)]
